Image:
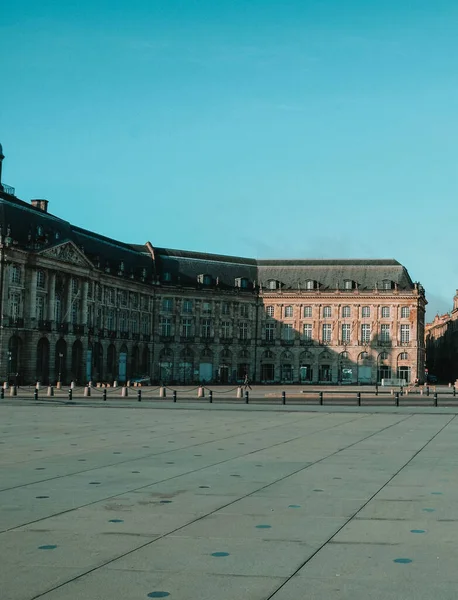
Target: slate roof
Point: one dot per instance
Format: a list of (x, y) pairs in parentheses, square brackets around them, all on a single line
[(35, 230)]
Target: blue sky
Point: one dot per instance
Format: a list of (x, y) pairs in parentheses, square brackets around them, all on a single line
[(267, 129)]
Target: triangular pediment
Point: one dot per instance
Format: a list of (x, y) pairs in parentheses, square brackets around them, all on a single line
[(67, 252)]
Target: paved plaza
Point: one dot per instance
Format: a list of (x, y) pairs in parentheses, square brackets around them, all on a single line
[(207, 502)]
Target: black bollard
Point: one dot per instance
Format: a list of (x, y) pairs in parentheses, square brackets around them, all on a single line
[(376, 389), (174, 396), (283, 397), (210, 396), (454, 391), (397, 398), (427, 390), (35, 394), (321, 398), (139, 395), (402, 391), (70, 394), (435, 398), (104, 395), (359, 398), (2, 393), (247, 397)]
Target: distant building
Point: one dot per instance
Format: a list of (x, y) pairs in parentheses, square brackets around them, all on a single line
[(76, 305), (442, 345)]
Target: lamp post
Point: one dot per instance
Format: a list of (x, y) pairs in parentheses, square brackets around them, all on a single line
[(10, 355), (61, 356)]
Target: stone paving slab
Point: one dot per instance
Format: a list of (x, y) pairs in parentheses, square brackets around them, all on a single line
[(212, 503)]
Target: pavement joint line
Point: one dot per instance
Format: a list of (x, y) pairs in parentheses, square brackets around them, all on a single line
[(149, 455), (271, 597), (175, 477), (196, 520)]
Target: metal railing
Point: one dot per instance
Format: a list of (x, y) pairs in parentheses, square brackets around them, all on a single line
[(7, 189)]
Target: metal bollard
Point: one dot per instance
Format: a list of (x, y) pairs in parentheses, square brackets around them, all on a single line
[(2, 393), (70, 394), (104, 395), (397, 398), (283, 397), (376, 390), (247, 397), (427, 390), (174, 395), (35, 394), (210, 396), (321, 398), (359, 398), (454, 391), (139, 395), (50, 391), (435, 398)]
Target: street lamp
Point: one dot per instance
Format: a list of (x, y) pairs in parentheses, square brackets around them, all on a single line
[(61, 356)]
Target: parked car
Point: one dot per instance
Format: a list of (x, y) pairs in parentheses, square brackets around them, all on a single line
[(141, 379)]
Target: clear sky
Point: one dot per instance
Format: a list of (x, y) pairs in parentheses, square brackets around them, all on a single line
[(293, 128)]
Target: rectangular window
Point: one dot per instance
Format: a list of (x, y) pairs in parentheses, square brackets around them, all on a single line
[(134, 300), (90, 289), (244, 311), (405, 334), (288, 332), (41, 280), (326, 312), (326, 332), (187, 307), (145, 324), (15, 274), (90, 315), (243, 331), (15, 306), (110, 319), (167, 305), (99, 318), (40, 308), (346, 312), (206, 307), (206, 328), (270, 331), (385, 312), (134, 323), (225, 308), (405, 312), (75, 286), (288, 311), (270, 311), (384, 333), (307, 312), (365, 334), (166, 326), (186, 325), (123, 298), (145, 302), (123, 321), (225, 329), (307, 332), (366, 312), (346, 332)]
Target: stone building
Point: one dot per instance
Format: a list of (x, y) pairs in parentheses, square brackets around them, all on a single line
[(442, 345), (76, 305)]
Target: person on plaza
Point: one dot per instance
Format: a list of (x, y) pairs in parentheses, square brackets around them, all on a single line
[(246, 382)]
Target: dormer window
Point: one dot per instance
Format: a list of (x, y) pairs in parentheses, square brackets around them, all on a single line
[(273, 284), (241, 282), (349, 284), (39, 230), (310, 284), (167, 277), (205, 279), (387, 284)]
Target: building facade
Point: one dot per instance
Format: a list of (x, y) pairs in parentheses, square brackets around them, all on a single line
[(442, 345), (76, 305)]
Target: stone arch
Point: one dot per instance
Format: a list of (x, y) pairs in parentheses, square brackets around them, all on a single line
[(135, 363), (97, 361), (77, 362), (166, 365), (111, 362), (145, 361), (122, 363), (286, 367), (42, 370), (306, 360), (186, 366), (325, 367)]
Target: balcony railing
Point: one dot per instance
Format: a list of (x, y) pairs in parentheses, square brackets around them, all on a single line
[(268, 342), (44, 325), (7, 189), (14, 322), (100, 332), (166, 338), (62, 327), (244, 341), (306, 342), (287, 342), (78, 329), (111, 334), (124, 335), (226, 340), (186, 339)]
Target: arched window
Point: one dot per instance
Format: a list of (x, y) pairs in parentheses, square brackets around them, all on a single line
[(383, 355), (404, 356), (346, 312)]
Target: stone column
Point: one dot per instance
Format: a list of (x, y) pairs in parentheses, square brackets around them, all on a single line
[(33, 295), (67, 309), (51, 295), (84, 303)]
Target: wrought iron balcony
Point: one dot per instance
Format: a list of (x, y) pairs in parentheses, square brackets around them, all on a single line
[(287, 342), (14, 322), (7, 189), (111, 334), (78, 329), (124, 335), (44, 325), (62, 327), (186, 339)]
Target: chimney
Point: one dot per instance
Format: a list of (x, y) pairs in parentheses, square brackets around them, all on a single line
[(40, 204)]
